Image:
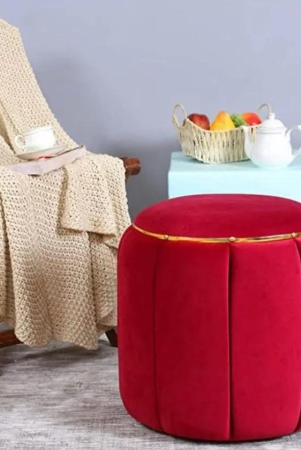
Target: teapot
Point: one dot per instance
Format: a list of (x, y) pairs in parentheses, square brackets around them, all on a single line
[(269, 146)]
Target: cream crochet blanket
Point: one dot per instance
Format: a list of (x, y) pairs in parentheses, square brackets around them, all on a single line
[(59, 233)]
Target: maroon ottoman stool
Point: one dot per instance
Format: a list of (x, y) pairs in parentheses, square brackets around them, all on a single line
[(210, 317)]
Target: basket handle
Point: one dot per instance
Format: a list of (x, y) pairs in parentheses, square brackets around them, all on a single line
[(174, 116)]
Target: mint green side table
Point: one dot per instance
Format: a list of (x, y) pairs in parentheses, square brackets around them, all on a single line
[(187, 176)]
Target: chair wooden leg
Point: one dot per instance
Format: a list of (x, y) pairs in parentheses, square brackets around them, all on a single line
[(112, 336), (8, 338)]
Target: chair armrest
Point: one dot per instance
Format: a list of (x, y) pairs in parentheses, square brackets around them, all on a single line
[(132, 166)]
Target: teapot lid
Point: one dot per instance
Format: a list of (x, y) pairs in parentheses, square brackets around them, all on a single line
[(270, 124)]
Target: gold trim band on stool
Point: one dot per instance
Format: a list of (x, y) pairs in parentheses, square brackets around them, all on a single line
[(232, 239)]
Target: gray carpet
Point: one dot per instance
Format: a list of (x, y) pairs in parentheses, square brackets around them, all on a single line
[(62, 397)]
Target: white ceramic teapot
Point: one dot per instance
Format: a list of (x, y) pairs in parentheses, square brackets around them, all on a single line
[(269, 147)]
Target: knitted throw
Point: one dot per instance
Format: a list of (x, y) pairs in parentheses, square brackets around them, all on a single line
[(59, 233)]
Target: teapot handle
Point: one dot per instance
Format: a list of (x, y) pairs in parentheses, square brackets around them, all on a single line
[(268, 106), (288, 136)]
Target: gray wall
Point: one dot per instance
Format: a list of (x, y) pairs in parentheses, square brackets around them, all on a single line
[(112, 70)]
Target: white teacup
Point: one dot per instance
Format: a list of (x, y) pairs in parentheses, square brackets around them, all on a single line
[(37, 139)]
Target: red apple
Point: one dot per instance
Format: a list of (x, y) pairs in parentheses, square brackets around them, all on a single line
[(201, 120), (251, 118)]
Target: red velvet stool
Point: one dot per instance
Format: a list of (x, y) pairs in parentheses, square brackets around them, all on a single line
[(210, 317)]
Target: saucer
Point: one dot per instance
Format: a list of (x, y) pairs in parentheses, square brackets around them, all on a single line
[(31, 155)]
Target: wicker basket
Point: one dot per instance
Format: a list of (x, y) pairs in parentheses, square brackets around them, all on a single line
[(211, 147)]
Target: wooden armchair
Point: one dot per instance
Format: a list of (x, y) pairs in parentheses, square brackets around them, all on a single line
[(7, 338)]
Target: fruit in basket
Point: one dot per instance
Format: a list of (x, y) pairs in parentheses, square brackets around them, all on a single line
[(201, 120), (251, 118), (222, 122), (238, 120)]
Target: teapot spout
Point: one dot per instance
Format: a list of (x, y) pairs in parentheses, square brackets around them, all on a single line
[(248, 141)]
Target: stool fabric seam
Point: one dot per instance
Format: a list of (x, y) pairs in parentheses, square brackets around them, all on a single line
[(159, 250), (299, 418), (231, 421)]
